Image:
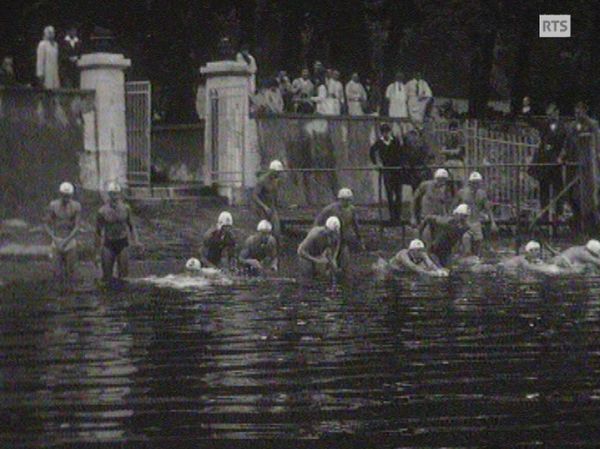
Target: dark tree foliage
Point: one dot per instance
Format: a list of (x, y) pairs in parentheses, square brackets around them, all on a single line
[(477, 49)]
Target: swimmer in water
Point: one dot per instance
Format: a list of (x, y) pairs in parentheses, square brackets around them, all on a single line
[(114, 233), (218, 245), (62, 224), (578, 258), (447, 232), (259, 253), (475, 196), (265, 196), (346, 212), (531, 260), (416, 259), (193, 267), (318, 252)]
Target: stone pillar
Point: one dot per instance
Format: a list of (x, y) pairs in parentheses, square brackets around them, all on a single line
[(230, 156), (105, 156)]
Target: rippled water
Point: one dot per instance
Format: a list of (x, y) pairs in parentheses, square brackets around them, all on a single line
[(469, 361)]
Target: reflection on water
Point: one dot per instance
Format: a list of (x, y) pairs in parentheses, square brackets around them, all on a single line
[(469, 361)]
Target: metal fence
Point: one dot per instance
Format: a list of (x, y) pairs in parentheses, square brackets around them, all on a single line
[(138, 122)]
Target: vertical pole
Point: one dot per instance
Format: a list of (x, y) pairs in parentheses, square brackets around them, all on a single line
[(518, 225), (379, 199)]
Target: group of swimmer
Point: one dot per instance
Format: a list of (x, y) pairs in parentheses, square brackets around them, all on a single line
[(451, 228)]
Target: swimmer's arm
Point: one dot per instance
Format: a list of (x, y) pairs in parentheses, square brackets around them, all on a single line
[(415, 205), (543, 268), (303, 253), (99, 231), (430, 263), (245, 259), (132, 230), (405, 260), (588, 258), (48, 220), (256, 198), (323, 216), (356, 227)]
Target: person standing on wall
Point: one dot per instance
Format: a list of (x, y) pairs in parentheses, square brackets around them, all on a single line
[(70, 52), (245, 57), (396, 98), (47, 60)]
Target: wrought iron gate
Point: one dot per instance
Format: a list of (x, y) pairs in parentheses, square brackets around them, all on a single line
[(138, 119)]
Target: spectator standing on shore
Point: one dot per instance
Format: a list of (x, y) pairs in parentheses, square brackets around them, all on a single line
[(70, 52), (526, 110), (319, 72), (245, 57), (550, 151), (356, 96), (273, 98), (285, 87), (7, 72), (323, 102), (373, 97), (303, 89), (420, 98), (396, 97), (336, 93), (47, 60)]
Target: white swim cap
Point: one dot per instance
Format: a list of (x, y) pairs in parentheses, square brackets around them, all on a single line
[(441, 173), (532, 246), (114, 187), (264, 225), (276, 165), (225, 219), (593, 246), (475, 176), (345, 193), (66, 188), (333, 224), (193, 264), (462, 209), (416, 244)]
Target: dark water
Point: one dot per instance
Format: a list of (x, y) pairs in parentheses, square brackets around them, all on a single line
[(460, 362)]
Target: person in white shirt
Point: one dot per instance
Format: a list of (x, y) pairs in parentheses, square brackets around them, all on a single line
[(419, 97), (47, 60), (356, 95), (323, 101), (303, 89), (245, 57), (336, 92), (396, 97)]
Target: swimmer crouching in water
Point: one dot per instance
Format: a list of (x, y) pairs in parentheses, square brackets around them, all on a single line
[(531, 260), (259, 254), (415, 258), (193, 267)]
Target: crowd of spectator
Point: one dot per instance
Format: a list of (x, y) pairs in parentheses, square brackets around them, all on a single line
[(322, 91), (56, 61)]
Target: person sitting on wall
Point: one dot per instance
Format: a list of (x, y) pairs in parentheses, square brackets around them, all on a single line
[(218, 244), (346, 212), (265, 196), (114, 233), (62, 224), (318, 252), (259, 253)]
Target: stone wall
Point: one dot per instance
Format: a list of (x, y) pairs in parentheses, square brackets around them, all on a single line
[(41, 143)]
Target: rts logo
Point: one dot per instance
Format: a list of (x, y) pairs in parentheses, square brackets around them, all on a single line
[(553, 25)]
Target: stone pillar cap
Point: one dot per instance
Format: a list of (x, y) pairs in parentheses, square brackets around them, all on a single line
[(221, 68), (116, 60)]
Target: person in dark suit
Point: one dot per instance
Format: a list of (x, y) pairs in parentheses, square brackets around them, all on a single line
[(70, 52), (387, 152)]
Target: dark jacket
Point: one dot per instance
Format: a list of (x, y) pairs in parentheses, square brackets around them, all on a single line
[(391, 155)]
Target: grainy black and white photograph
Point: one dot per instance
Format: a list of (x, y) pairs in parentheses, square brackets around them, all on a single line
[(300, 224)]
